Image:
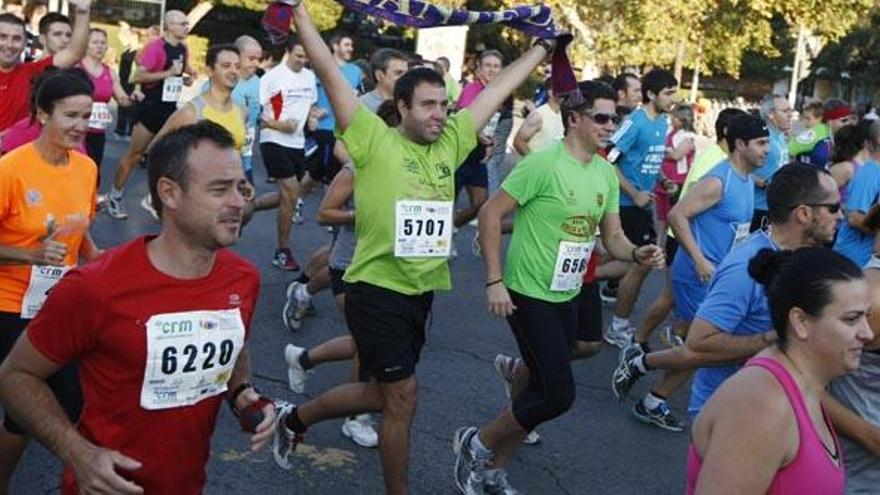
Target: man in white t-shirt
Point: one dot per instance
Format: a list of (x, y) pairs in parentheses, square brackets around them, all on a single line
[(287, 93)]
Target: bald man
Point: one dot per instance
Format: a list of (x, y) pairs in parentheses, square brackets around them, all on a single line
[(247, 94), (161, 71)]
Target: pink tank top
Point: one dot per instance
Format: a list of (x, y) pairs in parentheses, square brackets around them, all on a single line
[(103, 89), (811, 470)]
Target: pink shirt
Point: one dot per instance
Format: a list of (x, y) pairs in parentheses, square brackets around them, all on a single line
[(103, 89), (469, 94), (811, 470)]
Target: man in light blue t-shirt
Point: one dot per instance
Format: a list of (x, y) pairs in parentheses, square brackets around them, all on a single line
[(247, 94), (638, 148), (733, 321), (776, 112), (324, 165)]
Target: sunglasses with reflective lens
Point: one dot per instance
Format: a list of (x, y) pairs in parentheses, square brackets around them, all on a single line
[(603, 118)]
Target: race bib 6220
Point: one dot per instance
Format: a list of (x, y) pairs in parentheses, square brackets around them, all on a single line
[(190, 356)]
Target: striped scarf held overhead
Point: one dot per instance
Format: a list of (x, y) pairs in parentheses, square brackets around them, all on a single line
[(534, 21)]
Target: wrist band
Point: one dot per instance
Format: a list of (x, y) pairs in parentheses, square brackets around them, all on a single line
[(548, 47), (231, 398), (490, 284), (633, 255), (252, 415)]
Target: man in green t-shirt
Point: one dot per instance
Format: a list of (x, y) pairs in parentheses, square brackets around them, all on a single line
[(560, 195), (403, 194)]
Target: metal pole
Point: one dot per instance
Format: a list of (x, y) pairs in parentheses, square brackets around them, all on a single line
[(798, 61)]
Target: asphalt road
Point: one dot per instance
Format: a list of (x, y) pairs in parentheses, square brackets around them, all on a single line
[(597, 447)]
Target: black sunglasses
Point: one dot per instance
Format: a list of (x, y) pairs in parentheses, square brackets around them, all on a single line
[(832, 207), (603, 118)]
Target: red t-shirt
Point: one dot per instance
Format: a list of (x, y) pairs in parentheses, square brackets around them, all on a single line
[(15, 91), (102, 315)]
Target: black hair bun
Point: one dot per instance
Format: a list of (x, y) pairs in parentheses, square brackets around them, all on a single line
[(766, 264)]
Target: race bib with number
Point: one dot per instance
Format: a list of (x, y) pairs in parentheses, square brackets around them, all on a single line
[(171, 89), (248, 148), (424, 228), (190, 356), (43, 278), (100, 117), (740, 232), (572, 259)]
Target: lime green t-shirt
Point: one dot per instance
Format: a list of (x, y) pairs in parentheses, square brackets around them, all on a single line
[(703, 163), (388, 168), (559, 199)]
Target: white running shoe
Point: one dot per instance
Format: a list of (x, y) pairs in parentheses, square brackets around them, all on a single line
[(619, 337), (115, 208), (361, 431), (533, 438), (283, 440), (147, 205), (296, 375), (506, 367), (295, 307)]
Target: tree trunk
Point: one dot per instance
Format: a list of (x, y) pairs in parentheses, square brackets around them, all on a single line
[(680, 47), (798, 61)]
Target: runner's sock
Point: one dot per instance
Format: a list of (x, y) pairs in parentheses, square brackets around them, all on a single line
[(305, 361), (115, 193), (620, 323), (653, 401), (293, 423), (640, 363), (479, 450), (302, 292)]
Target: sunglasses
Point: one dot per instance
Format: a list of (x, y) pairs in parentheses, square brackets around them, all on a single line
[(832, 207), (603, 118)]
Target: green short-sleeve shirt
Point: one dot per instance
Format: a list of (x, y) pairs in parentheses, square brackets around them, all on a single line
[(388, 168), (559, 199)]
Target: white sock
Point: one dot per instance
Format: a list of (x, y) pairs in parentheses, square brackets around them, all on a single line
[(302, 292), (115, 193), (639, 362), (651, 401), (620, 323), (480, 451)]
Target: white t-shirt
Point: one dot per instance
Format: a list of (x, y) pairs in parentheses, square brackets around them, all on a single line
[(287, 95)]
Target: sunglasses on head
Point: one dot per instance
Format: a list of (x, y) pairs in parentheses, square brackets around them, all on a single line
[(832, 207)]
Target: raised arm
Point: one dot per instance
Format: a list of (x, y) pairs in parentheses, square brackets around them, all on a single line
[(342, 99), (79, 39), (488, 101)]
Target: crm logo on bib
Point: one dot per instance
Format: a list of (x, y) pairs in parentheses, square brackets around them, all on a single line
[(33, 197)]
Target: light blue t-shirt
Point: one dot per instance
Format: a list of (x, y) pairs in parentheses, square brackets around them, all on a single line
[(247, 94), (735, 304), (777, 156), (354, 76), (642, 142), (863, 192)]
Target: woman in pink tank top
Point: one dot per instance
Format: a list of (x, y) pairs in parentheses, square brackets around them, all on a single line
[(107, 86), (765, 430)]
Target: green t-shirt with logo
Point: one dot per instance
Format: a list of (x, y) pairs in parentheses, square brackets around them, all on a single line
[(558, 199), (388, 168)]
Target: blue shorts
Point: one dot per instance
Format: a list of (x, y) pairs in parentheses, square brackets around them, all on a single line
[(688, 296)]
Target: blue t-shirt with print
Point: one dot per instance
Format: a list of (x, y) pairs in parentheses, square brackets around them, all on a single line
[(863, 192), (777, 156), (735, 304), (642, 143), (353, 75)]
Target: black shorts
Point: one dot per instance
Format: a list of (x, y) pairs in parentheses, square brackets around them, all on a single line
[(638, 225), (388, 328), (337, 285), (472, 171), (671, 249), (154, 114), (282, 162), (589, 309), (323, 165), (64, 383)]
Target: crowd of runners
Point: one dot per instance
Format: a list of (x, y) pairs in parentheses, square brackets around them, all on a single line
[(118, 358)]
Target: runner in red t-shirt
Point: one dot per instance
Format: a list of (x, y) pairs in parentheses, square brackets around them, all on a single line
[(15, 77), (158, 327)]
